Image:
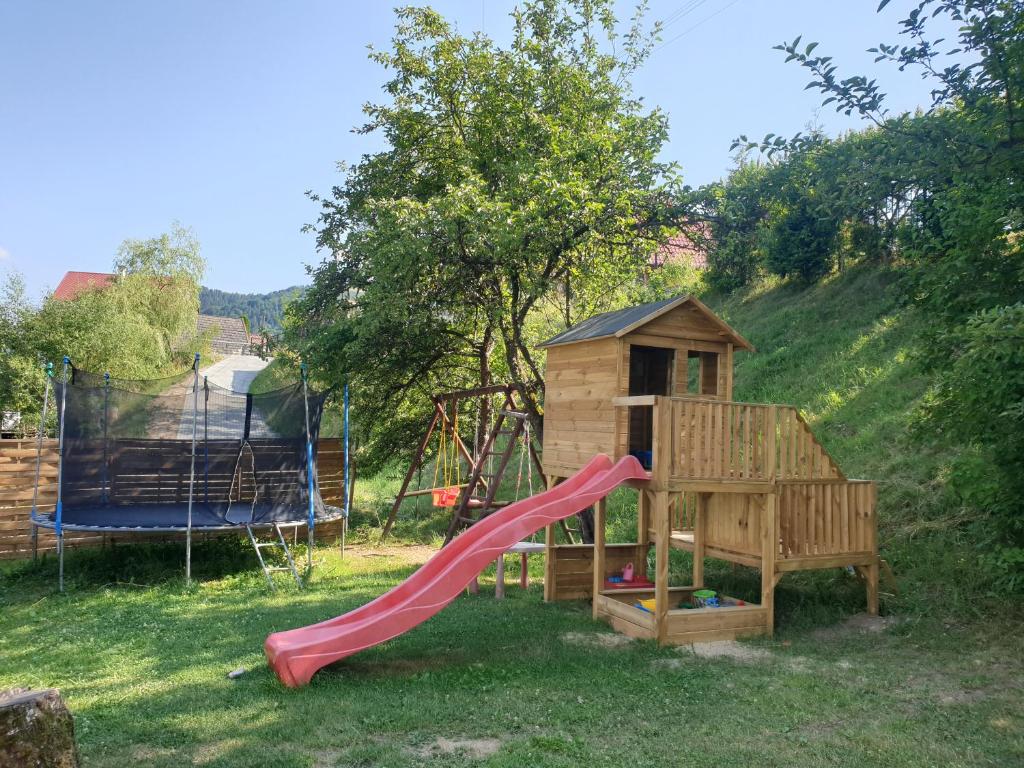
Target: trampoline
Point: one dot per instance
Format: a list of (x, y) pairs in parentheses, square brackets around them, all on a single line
[(183, 455)]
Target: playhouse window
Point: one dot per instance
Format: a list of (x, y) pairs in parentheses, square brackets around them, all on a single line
[(650, 373), (702, 373)]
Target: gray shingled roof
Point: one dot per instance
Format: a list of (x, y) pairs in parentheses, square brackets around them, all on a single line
[(607, 323), (227, 330), (621, 321)]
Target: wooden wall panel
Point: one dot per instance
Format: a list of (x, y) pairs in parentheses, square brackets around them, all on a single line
[(579, 420)]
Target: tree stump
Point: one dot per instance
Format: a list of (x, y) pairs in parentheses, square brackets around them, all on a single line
[(36, 730)]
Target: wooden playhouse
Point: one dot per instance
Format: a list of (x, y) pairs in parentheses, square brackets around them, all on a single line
[(743, 482)]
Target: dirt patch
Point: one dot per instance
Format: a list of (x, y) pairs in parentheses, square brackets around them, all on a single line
[(415, 553), (860, 624), (606, 640), (207, 753), (729, 649), (474, 748), (949, 698), (661, 664), (326, 758), (144, 753)]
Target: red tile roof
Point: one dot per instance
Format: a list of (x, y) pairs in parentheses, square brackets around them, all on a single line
[(75, 283), (681, 249)]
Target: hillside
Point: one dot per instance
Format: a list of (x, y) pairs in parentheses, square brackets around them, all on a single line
[(262, 309), (842, 352)]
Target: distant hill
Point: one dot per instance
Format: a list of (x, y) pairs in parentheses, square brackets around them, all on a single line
[(262, 309)]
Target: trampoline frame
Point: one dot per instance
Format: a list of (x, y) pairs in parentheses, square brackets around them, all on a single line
[(57, 524)]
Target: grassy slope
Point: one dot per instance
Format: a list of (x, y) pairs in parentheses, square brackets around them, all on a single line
[(842, 352)]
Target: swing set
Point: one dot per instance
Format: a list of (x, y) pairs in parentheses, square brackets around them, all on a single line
[(500, 429)]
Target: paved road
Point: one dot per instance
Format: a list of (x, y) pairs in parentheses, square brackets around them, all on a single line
[(227, 413), (234, 372)]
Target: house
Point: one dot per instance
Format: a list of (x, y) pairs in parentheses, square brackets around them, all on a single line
[(688, 248), (73, 284), (227, 334)]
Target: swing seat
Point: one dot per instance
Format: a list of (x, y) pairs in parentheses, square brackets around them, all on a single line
[(446, 497)]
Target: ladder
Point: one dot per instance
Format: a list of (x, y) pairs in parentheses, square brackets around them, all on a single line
[(283, 544), (479, 478)]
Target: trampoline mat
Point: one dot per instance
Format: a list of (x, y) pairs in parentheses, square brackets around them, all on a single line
[(174, 517)]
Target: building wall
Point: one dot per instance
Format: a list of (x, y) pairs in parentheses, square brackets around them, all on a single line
[(579, 420)]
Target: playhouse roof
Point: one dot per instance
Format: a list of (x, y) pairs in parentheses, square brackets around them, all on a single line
[(622, 321)]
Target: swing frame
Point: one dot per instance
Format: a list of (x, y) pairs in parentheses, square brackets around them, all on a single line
[(447, 403)]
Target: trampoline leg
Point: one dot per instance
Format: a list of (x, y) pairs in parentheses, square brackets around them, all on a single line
[(309, 551), (188, 557), (60, 563), (35, 542)]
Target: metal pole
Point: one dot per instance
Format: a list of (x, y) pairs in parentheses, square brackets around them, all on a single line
[(58, 516), (206, 440), (48, 372), (106, 417), (192, 470), (344, 487), (309, 471)]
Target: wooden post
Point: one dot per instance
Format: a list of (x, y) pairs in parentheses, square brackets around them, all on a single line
[(699, 520), (499, 577), (871, 579), (769, 546), (662, 537), (600, 515), (871, 572), (643, 532), (770, 443), (662, 444), (549, 555)]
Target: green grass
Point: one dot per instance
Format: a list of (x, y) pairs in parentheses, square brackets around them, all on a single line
[(143, 667), (277, 375)]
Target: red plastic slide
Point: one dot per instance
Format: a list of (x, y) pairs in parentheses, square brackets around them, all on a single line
[(297, 654)]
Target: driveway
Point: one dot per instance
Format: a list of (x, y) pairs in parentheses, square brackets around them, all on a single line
[(234, 372), (225, 415)]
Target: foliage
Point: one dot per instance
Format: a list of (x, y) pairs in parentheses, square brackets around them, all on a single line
[(21, 372), (143, 325), (264, 310), (939, 194), (515, 181)]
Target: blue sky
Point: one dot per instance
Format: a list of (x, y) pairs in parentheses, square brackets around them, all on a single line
[(117, 118)]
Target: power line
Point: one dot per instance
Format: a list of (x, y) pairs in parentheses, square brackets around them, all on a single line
[(681, 12), (687, 31)]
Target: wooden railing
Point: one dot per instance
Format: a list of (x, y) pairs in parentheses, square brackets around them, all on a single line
[(703, 439), (822, 518)]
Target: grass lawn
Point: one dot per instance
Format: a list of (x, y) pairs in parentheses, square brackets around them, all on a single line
[(518, 682)]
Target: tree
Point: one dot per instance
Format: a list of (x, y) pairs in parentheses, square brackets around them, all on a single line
[(961, 229), (21, 377), (513, 180)]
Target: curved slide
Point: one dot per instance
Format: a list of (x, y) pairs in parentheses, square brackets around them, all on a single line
[(297, 654)]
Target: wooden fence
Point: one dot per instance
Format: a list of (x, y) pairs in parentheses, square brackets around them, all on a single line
[(17, 479), (716, 440)]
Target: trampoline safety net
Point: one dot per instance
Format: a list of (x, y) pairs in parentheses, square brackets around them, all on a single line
[(128, 453)]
